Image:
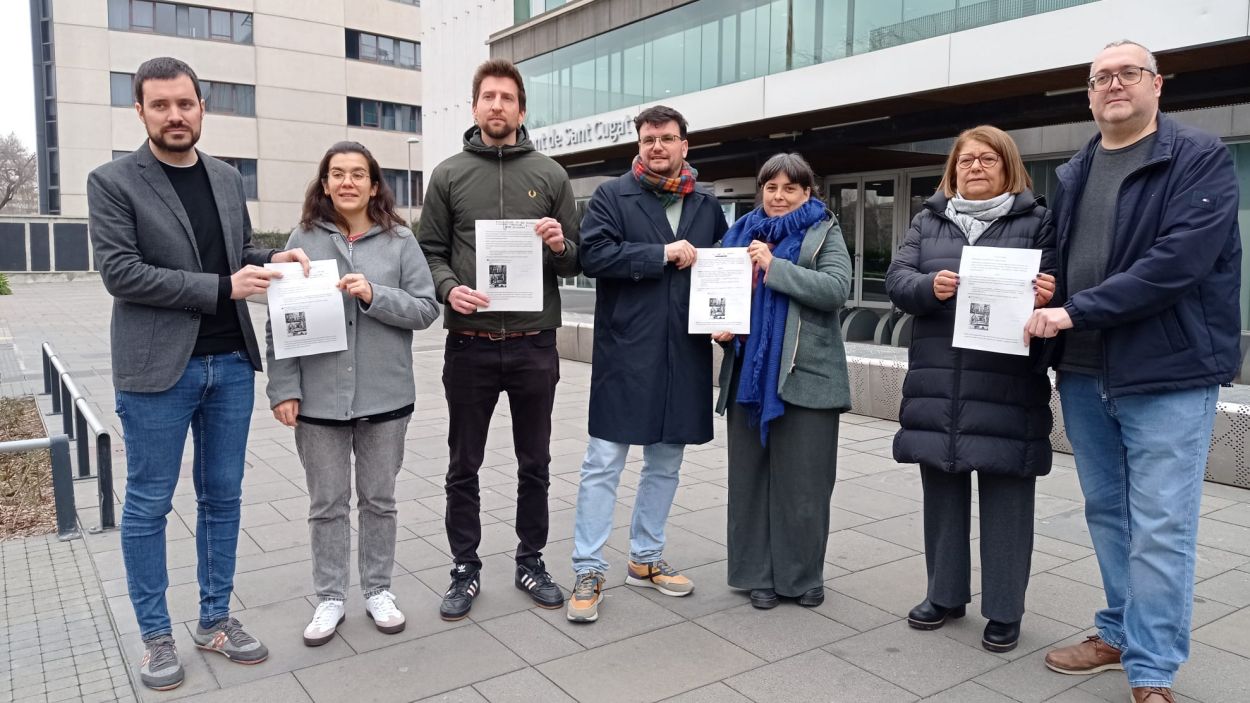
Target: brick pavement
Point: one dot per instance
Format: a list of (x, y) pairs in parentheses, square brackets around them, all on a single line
[(711, 646)]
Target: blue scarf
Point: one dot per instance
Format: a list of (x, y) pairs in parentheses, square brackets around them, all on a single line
[(761, 360)]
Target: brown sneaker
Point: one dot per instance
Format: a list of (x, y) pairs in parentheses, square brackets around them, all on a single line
[(1153, 694), (660, 576), (1089, 657)]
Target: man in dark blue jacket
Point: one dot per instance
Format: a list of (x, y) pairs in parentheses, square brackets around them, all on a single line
[(1150, 261), (651, 381)]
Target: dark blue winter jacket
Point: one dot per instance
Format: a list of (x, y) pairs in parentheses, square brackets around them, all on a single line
[(1169, 306)]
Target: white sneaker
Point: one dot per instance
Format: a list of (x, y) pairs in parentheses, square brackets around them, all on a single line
[(328, 616), (381, 607)]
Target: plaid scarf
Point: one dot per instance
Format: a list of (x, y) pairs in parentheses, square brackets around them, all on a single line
[(668, 190)]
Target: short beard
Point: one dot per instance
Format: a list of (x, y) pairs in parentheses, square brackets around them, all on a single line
[(501, 134), (159, 140)]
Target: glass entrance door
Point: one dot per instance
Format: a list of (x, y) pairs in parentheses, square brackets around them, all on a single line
[(865, 207)]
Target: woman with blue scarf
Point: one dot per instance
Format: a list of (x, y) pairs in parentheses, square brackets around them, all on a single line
[(784, 385)]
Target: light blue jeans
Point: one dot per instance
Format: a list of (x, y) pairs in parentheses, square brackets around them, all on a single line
[(596, 501), (1141, 460)]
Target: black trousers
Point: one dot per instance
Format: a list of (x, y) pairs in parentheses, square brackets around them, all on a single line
[(779, 498), (475, 371), (1006, 510)]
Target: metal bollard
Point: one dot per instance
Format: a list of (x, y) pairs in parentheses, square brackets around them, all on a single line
[(63, 489), (104, 459)]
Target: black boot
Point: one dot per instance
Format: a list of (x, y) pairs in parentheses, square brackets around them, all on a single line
[(1001, 636), (813, 598), (764, 598), (930, 616)]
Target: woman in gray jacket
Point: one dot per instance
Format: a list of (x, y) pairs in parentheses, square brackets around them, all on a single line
[(785, 385), (356, 401)]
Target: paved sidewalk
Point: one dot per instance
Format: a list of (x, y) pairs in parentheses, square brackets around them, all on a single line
[(710, 646)]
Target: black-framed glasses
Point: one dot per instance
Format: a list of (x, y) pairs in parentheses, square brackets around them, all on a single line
[(665, 139), (988, 160), (1129, 75)]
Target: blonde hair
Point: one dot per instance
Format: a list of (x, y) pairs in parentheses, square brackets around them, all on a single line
[(1016, 178)]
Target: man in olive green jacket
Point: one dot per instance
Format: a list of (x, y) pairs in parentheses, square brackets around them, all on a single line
[(498, 175)]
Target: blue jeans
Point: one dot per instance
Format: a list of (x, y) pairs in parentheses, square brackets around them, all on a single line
[(1141, 459), (214, 398), (596, 501)]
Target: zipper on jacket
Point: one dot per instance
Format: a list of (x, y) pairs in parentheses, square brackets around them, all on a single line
[(503, 328), (799, 330)]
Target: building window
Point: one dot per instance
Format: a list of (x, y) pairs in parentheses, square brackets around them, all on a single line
[(247, 168), (394, 117), (121, 89), (397, 181), (416, 3), (178, 20), (376, 48), (707, 43), (219, 98)]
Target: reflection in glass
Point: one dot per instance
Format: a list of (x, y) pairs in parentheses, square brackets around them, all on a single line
[(878, 238)]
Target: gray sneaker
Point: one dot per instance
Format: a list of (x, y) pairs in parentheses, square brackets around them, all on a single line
[(227, 637), (160, 669)]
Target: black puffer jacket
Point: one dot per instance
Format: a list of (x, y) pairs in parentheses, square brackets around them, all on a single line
[(966, 410)]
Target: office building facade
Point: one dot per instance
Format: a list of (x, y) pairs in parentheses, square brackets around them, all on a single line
[(282, 80)]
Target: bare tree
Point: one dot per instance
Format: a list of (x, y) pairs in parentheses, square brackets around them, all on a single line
[(19, 182)]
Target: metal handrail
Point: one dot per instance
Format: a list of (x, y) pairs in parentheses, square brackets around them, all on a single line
[(62, 479), (78, 421)]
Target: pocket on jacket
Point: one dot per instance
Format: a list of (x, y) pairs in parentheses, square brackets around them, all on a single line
[(1172, 329), (138, 327)]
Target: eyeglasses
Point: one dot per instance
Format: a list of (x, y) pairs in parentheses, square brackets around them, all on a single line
[(988, 160), (665, 139), (357, 177), (1129, 75)]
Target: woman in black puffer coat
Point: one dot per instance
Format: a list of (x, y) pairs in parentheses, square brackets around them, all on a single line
[(966, 410)]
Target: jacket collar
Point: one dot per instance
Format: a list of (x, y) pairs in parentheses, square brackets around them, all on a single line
[(220, 180), (474, 145), (1072, 173)]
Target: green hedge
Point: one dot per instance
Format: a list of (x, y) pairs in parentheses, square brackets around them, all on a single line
[(270, 240)]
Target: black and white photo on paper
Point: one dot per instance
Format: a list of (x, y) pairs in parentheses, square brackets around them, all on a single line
[(498, 275), (979, 317), (716, 308), (296, 324)]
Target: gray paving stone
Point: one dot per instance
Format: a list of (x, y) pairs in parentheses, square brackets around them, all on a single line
[(461, 695), (622, 614), (1213, 675), (273, 584), (683, 549), (711, 593), (1230, 633), (652, 666), (968, 692), (530, 637), (922, 662), (413, 670), (714, 693), (775, 634), (283, 688), (521, 686), (895, 587), (1029, 681), (854, 551), (1036, 632), (815, 676), (1224, 535), (418, 555), (1231, 587), (866, 501), (1065, 600)]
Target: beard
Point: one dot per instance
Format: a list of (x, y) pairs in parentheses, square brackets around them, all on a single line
[(177, 147), (499, 132)]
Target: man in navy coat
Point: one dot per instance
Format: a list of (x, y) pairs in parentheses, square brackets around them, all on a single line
[(651, 381), (1149, 284)]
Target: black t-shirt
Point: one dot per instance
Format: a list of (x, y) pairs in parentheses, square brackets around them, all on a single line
[(220, 333)]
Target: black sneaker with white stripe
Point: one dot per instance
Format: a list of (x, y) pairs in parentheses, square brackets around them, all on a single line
[(532, 577), (466, 583)]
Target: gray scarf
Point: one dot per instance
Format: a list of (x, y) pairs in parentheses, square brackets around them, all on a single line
[(973, 216)]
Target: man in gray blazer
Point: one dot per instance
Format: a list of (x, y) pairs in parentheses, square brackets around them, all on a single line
[(173, 244)]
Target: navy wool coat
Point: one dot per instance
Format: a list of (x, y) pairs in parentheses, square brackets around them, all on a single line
[(650, 381), (965, 410)]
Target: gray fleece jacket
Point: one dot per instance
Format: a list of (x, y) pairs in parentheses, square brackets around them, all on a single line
[(374, 374)]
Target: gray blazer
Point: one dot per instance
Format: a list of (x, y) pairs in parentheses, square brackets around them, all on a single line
[(146, 253)]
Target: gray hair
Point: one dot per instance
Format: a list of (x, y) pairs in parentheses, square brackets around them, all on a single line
[(1151, 63)]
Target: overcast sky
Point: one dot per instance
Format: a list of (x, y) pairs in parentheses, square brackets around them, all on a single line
[(17, 106)]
